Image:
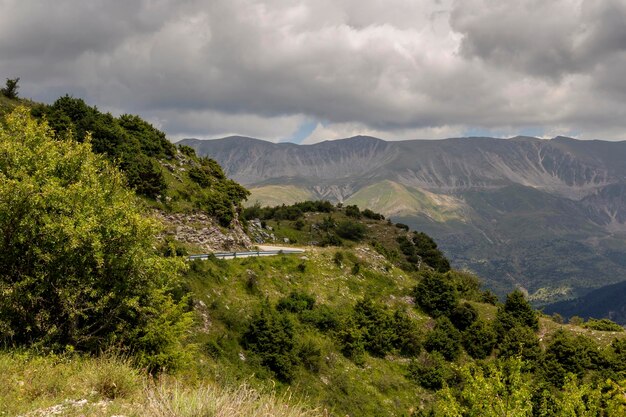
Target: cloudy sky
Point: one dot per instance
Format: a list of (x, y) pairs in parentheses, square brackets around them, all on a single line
[(310, 70)]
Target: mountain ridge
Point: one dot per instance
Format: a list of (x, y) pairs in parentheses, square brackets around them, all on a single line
[(490, 202)]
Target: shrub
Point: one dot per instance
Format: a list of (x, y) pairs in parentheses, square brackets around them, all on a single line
[(271, 336), (351, 341), (488, 297), (407, 334), (445, 339), (402, 226), (331, 240), (427, 249), (520, 341), (353, 211), (435, 294), (376, 325), (338, 258), (604, 325), (479, 339), (430, 372), (516, 311), (77, 264), (566, 353), (463, 316), (310, 354), (369, 214), (322, 317), (296, 302), (351, 230)]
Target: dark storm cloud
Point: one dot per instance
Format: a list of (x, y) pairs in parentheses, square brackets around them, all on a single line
[(395, 68), (545, 38)]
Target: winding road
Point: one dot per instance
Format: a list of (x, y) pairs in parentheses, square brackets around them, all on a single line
[(263, 251)]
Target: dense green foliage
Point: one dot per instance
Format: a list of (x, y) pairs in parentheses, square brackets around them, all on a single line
[(517, 311), (350, 230), (292, 212), (358, 343), (419, 248), (154, 168), (271, 336), (78, 269), (605, 325), (505, 389), (79, 272), (128, 140), (435, 294)]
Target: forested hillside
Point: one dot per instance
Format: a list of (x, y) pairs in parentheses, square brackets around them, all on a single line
[(170, 178), (99, 317), (546, 216)]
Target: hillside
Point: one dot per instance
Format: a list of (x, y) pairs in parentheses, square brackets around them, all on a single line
[(547, 216), (99, 317)]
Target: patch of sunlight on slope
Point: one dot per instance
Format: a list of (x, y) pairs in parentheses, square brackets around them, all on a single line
[(393, 199), (275, 195)]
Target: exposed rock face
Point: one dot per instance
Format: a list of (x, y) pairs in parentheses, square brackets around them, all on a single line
[(337, 169), (200, 229)]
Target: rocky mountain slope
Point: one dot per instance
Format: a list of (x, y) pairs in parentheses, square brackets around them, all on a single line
[(545, 215)]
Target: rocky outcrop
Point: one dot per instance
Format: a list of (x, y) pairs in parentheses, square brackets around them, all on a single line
[(203, 231)]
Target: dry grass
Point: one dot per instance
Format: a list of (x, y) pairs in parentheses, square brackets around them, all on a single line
[(42, 386), (167, 399)]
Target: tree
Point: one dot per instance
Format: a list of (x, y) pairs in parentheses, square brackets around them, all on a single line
[(479, 340), (431, 371), (10, 90), (271, 336), (445, 339), (500, 390), (353, 211), (435, 294), (463, 316), (568, 354), (427, 249), (351, 230), (376, 325), (520, 341), (516, 311), (77, 264)]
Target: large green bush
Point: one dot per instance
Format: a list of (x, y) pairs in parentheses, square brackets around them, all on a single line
[(271, 336), (77, 264), (435, 294)]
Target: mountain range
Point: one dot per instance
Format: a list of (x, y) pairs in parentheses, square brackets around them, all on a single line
[(546, 216)]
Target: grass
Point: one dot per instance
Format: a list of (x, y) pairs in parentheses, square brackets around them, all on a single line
[(394, 199), (35, 385), (275, 195), (233, 290)]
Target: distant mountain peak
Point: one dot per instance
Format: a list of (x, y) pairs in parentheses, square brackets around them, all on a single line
[(564, 139)]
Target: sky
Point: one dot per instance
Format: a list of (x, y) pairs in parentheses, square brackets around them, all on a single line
[(312, 70)]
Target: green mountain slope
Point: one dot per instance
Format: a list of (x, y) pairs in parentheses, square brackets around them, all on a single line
[(370, 320), (394, 199), (547, 216), (169, 178), (274, 195)]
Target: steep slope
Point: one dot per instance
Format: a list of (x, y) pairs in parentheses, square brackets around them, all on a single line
[(545, 215), (251, 161)]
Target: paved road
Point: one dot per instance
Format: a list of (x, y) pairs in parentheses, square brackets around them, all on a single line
[(247, 254)]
